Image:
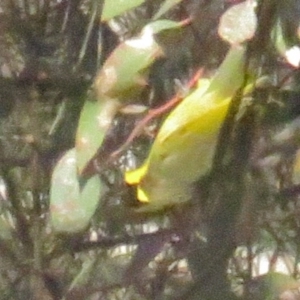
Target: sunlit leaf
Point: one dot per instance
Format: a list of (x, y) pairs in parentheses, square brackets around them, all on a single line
[(238, 23), (291, 54), (167, 5), (161, 25), (124, 69), (95, 119), (72, 206), (114, 8)]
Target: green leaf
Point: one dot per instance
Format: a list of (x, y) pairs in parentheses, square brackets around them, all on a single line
[(238, 24), (72, 206), (114, 8), (95, 120), (289, 52), (123, 72), (167, 5), (161, 25)]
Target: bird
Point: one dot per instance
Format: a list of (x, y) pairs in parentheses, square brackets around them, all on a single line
[(184, 147)]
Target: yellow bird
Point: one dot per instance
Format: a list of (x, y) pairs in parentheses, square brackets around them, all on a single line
[(185, 144)]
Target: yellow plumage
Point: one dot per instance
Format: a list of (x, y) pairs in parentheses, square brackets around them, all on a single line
[(184, 147)]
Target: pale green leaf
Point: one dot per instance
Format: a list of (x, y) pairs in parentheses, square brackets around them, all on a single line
[(291, 54), (161, 25), (238, 24), (72, 205), (114, 8), (95, 120), (123, 72)]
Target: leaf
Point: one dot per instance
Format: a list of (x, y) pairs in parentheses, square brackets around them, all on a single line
[(124, 70), (184, 146), (238, 24), (167, 5), (161, 25), (72, 206), (291, 54), (114, 8), (95, 120)]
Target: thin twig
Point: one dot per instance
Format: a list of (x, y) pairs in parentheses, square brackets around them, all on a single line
[(153, 113)]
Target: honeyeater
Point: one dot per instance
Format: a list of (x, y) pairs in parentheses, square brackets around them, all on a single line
[(184, 147)]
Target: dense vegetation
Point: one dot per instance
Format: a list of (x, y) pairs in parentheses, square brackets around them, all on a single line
[(87, 90)]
